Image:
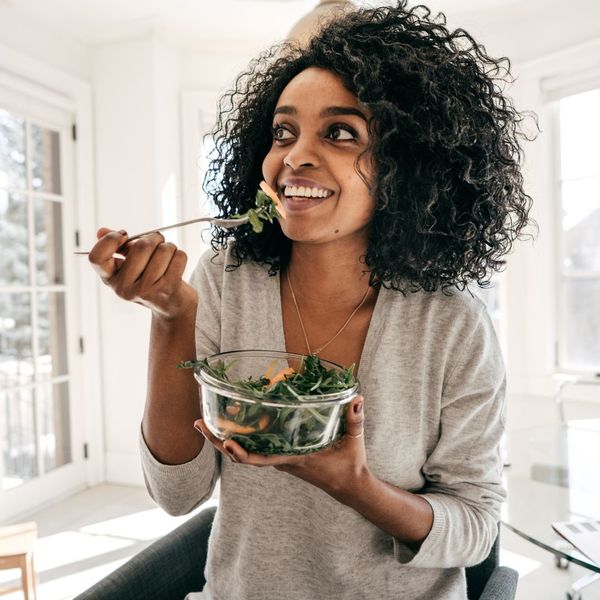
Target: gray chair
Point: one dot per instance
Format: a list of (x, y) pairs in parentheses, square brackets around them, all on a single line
[(174, 565)]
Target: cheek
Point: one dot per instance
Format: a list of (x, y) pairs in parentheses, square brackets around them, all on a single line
[(269, 167)]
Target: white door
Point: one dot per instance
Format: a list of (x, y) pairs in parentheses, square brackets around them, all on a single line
[(41, 443)]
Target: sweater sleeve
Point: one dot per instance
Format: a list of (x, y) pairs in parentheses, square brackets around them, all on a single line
[(178, 489), (463, 473)]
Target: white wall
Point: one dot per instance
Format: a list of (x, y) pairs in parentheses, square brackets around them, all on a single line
[(34, 39), (136, 91)]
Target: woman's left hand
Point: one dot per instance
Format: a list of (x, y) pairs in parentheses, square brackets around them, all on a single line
[(337, 470)]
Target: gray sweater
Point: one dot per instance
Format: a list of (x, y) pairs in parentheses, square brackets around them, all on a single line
[(433, 380)]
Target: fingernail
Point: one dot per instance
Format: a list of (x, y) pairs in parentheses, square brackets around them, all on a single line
[(358, 408), (230, 452), (122, 232), (197, 428)]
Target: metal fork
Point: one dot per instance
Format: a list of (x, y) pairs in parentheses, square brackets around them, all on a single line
[(224, 223)]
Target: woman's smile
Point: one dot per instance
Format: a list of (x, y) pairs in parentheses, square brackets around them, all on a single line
[(299, 194)]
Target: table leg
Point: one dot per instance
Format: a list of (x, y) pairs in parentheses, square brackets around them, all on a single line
[(32, 575), (28, 576), (559, 401)]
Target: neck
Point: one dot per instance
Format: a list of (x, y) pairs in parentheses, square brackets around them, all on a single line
[(329, 272)]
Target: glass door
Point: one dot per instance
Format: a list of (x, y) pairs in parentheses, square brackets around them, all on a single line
[(38, 461)]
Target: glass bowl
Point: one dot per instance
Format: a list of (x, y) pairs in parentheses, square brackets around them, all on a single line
[(283, 423)]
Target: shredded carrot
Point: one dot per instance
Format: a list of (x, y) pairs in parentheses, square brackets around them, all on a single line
[(232, 427), (267, 190), (281, 375)]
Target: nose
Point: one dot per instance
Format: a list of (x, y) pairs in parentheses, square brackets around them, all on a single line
[(301, 154)]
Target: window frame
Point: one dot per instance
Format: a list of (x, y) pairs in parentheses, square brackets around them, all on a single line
[(23, 76), (561, 366)]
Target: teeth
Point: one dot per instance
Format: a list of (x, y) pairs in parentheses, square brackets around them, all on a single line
[(306, 192)]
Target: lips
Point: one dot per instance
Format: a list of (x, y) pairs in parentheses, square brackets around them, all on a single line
[(300, 203)]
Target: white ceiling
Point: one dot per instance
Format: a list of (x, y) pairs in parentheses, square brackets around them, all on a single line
[(187, 21), (521, 29)]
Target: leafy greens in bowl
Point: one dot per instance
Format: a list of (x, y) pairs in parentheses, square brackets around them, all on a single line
[(274, 402)]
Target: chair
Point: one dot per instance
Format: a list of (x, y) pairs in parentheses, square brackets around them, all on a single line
[(173, 566), (16, 552)]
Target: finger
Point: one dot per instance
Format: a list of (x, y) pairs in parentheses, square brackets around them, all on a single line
[(101, 255), (239, 454), (159, 263), (102, 232), (138, 256), (355, 419), (176, 267), (200, 425)]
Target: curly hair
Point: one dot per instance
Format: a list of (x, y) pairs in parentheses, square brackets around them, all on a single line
[(446, 145)]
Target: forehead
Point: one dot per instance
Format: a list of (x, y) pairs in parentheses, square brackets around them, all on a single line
[(316, 87)]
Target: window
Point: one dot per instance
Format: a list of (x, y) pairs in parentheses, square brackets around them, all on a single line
[(578, 233), (34, 370)]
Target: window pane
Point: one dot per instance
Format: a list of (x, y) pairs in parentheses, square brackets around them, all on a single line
[(17, 428), (16, 352), (54, 426), (582, 323), (12, 151), (45, 160), (48, 242), (14, 247), (580, 135), (52, 334), (581, 224)]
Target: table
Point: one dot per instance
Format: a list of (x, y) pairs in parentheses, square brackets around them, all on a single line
[(553, 474)]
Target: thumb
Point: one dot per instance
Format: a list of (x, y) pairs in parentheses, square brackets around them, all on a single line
[(355, 417)]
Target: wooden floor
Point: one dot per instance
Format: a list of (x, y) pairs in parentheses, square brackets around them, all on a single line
[(91, 533)]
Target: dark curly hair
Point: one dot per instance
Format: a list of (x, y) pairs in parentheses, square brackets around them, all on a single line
[(445, 144)]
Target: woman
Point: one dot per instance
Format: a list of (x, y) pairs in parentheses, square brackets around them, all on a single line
[(397, 159)]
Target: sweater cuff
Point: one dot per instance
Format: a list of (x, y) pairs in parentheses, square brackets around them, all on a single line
[(408, 557), (156, 470)]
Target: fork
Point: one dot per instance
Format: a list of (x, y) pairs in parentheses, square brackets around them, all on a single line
[(224, 223)]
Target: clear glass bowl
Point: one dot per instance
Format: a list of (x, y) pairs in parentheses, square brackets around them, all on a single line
[(273, 425)]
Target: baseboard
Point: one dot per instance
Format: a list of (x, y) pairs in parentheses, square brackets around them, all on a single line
[(124, 468)]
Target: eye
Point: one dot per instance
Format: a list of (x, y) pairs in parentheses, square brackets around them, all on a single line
[(281, 133), (342, 132)]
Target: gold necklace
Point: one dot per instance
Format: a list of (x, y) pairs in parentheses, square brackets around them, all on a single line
[(320, 349)]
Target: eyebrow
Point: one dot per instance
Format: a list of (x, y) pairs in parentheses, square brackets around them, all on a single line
[(330, 111)]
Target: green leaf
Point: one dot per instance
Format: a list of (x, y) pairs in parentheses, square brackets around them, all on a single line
[(255, 221)]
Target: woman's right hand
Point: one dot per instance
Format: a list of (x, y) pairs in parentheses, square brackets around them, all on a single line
[(150, 275)]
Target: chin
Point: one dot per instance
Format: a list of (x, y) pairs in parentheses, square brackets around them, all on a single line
[(299, 233)]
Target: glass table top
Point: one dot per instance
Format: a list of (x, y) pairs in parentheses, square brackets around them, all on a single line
[(553, 475)]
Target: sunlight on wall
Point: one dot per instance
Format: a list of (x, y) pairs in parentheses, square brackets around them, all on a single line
[(169, 209)]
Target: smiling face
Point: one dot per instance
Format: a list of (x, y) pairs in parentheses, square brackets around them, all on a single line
[(319, 130)]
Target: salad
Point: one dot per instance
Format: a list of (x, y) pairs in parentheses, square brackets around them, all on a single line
[(273, 413)]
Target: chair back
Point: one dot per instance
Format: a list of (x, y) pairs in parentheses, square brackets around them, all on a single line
[(478, 575)]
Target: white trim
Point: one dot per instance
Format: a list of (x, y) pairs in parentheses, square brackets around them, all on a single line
[(569, 84), (561, 275), (555, 171), (35, 78), (550, 58)]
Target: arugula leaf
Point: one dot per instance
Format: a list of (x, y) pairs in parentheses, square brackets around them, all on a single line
[(265, 210)]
